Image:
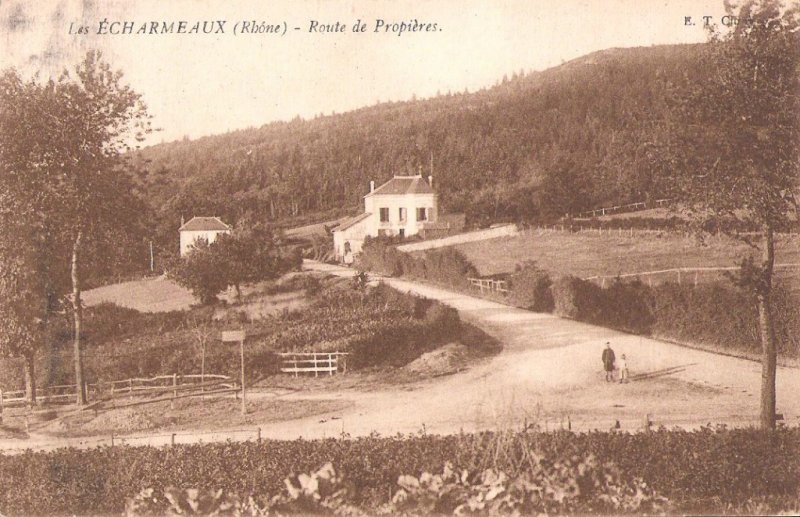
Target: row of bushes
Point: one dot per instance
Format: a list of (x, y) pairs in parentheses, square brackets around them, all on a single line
[(716, 313), (446, 266), (706, 471)]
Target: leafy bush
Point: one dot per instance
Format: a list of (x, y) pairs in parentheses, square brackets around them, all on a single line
[(626, 306), (201, 271), (577, 299), (530, 288), (712, 470), (447, 266), (565, 486)]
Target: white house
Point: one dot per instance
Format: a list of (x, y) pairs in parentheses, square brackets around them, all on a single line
[(403, 206), (207, 228)]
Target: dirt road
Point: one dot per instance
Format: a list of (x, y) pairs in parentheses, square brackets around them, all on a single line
[(549, 375)]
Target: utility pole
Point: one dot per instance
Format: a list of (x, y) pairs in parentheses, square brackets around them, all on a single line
[(152, 262)]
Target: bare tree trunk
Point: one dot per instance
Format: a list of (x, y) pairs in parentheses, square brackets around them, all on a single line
[(767, 331), (77, 315), (30, 380)]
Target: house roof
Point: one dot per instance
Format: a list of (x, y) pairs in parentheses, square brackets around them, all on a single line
[(399, 185), (201, 224), (352, 221)]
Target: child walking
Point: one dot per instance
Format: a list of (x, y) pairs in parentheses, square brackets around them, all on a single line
[(623, 369)]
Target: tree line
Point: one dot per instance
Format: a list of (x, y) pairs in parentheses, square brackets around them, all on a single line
[(532, 147)]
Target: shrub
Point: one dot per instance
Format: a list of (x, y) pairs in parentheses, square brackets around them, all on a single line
[(710, 471), (530, 288), (577, 299), (447, 266), (626, 306)]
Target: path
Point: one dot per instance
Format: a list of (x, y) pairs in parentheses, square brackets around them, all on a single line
[(548, 374)]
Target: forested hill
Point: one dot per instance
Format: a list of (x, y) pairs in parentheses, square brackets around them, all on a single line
[(540, 144)]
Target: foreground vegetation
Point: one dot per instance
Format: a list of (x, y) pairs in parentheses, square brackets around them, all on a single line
[(706, 471)]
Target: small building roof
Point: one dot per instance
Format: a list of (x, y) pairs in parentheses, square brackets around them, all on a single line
[(400, 185), (352, 221), (204, 224)]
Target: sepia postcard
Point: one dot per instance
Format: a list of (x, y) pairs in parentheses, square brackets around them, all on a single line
[(399, 257)]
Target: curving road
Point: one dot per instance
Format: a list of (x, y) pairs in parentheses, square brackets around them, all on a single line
[(548, 375)]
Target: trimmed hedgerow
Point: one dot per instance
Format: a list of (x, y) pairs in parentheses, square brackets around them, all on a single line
[(530, 288), (707, 471), (716, 313), (445, 266)]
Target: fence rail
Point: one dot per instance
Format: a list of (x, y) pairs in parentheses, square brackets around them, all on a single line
[(621, 209), (130, 387), (313, 362), (489, 284), (690, 273)]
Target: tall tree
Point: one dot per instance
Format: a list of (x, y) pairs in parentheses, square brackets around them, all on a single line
[(30, 247), (739, 135), (74, 175), (100, 117)]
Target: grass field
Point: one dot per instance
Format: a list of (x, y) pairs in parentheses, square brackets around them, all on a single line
[(586, 254)]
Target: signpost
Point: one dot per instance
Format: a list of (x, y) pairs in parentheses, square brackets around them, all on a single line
[(232, 336)]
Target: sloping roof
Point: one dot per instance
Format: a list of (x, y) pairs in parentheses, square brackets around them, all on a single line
[(352, 221), (403, 185), (204, 224)]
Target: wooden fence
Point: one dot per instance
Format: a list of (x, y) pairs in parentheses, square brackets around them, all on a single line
[(489, 284), (174, 383), (681, 274), (621, 209), (313, 362)]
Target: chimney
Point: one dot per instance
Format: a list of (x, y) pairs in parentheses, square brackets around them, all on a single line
[(182, 221), (430, 181), (372, 186)]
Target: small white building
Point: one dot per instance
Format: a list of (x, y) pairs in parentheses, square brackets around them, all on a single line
[(207, 228), (403, 206)]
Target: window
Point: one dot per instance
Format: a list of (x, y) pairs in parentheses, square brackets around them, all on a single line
[(384, 215), (403, 216), (422, 214)]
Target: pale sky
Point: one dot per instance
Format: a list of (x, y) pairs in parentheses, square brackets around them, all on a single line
[(201, 84)]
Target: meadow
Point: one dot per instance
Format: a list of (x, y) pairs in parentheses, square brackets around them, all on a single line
[(612, 252)]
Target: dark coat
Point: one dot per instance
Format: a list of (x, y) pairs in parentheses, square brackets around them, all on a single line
[(608, 359)]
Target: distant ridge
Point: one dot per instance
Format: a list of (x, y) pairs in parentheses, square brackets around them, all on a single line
[(541, 144)]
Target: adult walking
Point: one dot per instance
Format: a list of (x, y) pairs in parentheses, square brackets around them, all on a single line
[(608, 362)]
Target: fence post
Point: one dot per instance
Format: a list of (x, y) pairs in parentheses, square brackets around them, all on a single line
[(1, 406), (259, 435), (679, 277), (174, 390), (130, 388), (330, 364), (695, 278), (172, 440)]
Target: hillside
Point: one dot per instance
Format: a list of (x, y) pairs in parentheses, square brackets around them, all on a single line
[(535, 145)]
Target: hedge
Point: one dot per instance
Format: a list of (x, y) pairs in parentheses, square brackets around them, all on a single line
[(706, 471), (716, 313), (446, 266)]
